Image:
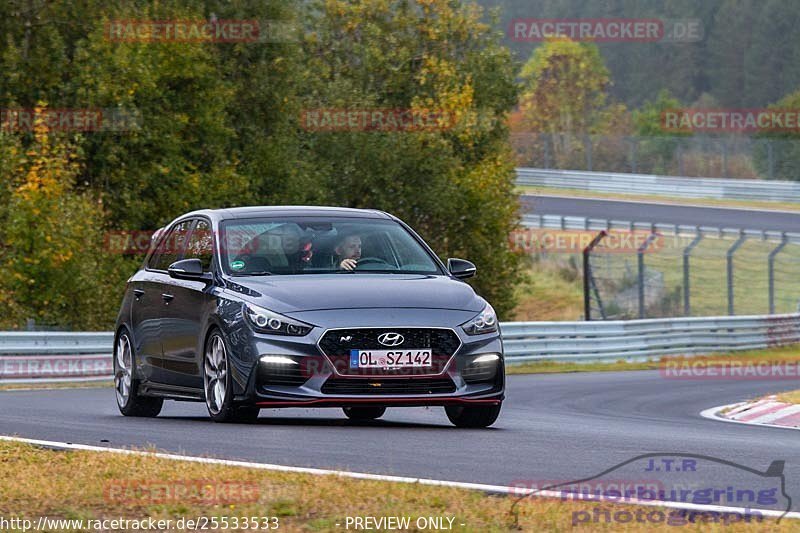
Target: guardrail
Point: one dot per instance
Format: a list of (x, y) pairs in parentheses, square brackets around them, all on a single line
[(600, 224), (55, 356), (37, 356), (613, 182), (640, 339)]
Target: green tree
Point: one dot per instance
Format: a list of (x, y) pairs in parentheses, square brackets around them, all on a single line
[(455, 185), (52, 240), (779, 149), (657, 147), (565, 98)]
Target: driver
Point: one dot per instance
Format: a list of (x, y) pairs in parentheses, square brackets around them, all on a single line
[(348, 252)]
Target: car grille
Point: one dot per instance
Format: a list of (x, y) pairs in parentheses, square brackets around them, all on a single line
[(336, 344), (393, 386)]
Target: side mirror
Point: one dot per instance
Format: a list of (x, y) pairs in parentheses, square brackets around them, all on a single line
[(460, 268), (191, 269)]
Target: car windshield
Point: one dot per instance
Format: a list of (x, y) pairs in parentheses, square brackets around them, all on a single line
[(303, 245)]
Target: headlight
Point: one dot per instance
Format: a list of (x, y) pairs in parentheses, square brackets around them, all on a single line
[(484, 322), (265, 321)]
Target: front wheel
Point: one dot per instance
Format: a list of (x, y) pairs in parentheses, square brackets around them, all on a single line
[(126, 385), (364, 413), (217, 384), (473, 416)]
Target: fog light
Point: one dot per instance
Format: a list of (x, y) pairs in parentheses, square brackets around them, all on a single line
[(278, 360), (481, 368)]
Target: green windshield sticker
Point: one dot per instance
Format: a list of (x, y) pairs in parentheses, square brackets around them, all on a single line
[(237, 265)]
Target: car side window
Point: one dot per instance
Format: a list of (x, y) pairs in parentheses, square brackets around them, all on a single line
[(171, 247), (201, 244)]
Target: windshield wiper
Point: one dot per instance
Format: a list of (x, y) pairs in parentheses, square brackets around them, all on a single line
[(245, 274)]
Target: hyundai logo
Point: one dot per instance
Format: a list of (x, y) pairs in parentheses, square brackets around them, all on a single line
[(390, 339)]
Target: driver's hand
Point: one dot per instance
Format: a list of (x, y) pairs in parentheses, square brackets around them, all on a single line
[(348, 264)]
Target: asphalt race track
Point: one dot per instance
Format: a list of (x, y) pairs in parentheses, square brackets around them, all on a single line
[(553, 427), (715, 217)]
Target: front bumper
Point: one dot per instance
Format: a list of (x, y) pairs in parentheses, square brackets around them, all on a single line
[(316, 382)]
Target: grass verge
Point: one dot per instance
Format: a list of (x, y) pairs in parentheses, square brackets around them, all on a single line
[(782, 354), (57, 385), (85, 486), (549, 291), (789, 397), (700, 202)]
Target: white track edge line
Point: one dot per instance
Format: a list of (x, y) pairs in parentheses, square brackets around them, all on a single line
[(711, 414), (511, 491)]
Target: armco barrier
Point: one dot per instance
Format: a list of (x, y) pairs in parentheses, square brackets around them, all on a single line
[(55, 356), (638, 339), (613, 182), (598, 224), (68, 356)]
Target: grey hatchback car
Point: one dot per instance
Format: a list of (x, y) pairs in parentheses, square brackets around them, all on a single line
[(263, 307)]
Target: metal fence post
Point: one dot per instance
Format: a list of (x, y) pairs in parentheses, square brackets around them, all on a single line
[(588, 284), (729, 258), (771, 269), (687, 252), (640, 263)]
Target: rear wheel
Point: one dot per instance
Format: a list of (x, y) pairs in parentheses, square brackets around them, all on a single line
[(364, 413), (126, 385), (473, 416), (217, 384)]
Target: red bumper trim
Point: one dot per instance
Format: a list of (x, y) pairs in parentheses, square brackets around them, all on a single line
[(389, 402)]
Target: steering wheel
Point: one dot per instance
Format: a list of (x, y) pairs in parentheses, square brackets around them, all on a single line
[(372, 261)]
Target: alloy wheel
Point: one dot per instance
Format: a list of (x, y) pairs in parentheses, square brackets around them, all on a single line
[(215, 373)]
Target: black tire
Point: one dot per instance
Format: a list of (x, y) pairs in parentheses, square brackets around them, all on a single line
[(226, 411), (133, 404), (473, 416), (364, 413)]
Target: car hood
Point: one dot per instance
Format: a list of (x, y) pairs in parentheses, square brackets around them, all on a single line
[(289, 294)]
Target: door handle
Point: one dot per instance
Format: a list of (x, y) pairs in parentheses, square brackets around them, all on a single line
[(138, 293), (167, 297)]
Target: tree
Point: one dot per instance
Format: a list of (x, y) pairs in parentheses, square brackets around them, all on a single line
[(51, 256), (657, 146), (565, 98), (779, 150), (454, 184)]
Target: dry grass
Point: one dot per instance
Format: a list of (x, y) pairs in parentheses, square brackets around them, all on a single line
[(790, 397), (36, 482), (702, 202), (549, 291)]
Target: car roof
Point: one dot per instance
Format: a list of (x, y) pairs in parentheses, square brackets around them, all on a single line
[(288, 211)]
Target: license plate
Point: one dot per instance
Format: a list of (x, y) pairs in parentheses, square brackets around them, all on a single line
[(407, 358)]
